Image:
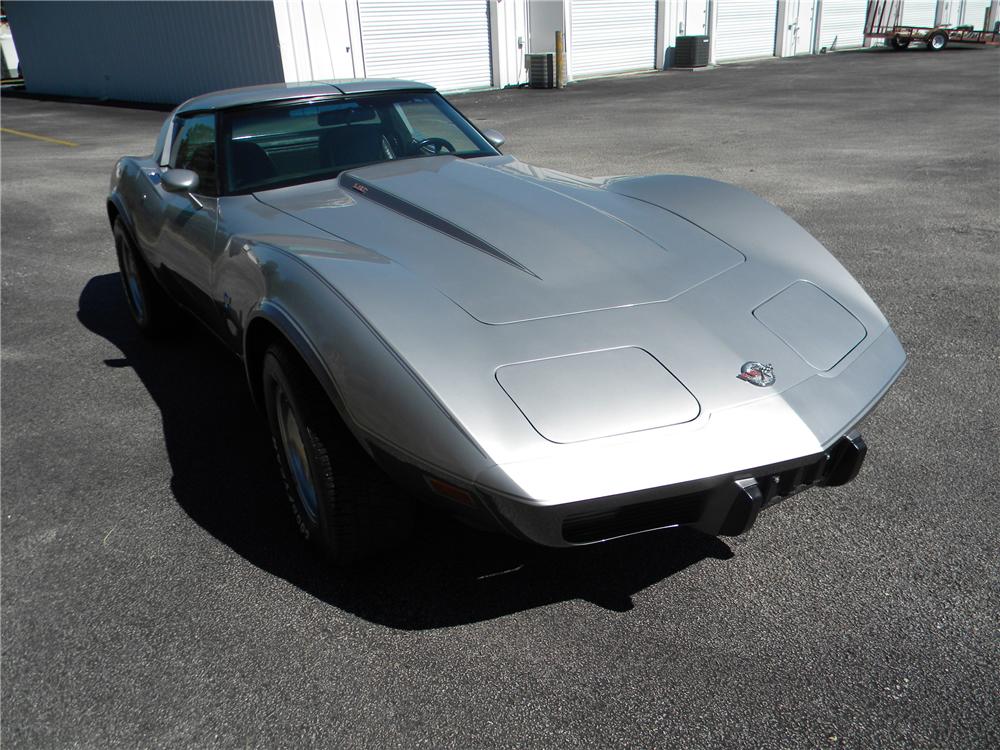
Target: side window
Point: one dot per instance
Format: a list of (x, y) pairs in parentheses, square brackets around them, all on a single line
[(194, 148), (161, 140)]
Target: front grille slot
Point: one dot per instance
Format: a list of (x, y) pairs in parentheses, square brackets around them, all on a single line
[(776, 487)]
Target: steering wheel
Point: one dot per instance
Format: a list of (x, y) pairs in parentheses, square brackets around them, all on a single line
[(434, 146)]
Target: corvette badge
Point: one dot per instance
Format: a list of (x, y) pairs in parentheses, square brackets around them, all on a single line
[(757, 373)]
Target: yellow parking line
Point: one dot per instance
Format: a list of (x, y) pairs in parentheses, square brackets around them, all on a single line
[(38, 137)]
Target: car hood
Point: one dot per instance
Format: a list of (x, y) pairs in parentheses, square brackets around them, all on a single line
[(408, 245), (508, 242)]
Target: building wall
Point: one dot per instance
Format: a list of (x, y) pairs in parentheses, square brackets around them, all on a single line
[(319, 40), (166, 51), (512, 41), (144, 52), (450, 44), (545, 17)]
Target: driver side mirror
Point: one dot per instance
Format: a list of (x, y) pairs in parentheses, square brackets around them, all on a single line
[(179, 180), (495, 137)]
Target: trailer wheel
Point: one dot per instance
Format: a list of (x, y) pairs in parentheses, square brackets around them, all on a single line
[(938, 41), (899, 43)]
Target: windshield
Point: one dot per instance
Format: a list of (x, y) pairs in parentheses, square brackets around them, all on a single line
[(285, 145)]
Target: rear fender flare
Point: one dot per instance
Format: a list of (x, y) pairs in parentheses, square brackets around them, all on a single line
[(116, 210)]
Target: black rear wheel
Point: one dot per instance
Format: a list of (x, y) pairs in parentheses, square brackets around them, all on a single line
[(342, 502), (153, 311), (899, 43)]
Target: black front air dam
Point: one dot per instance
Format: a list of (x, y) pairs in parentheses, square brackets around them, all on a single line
[(726, 505), (832, 468)]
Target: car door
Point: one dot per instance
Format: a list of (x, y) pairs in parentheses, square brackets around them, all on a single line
[(187, 242)]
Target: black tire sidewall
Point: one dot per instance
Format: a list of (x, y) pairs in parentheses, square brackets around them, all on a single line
[(161, 315), (123, 245), (360, 511), (281, 374)]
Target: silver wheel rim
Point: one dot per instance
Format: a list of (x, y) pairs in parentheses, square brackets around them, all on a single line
[(132, 284), (937, 42), (294, 446)]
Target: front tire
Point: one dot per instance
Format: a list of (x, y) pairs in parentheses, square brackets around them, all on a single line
[(154, 313), (343, 504)]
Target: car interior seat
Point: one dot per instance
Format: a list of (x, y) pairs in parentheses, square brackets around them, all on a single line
[(353, 144), (249, 164), (202, 161)]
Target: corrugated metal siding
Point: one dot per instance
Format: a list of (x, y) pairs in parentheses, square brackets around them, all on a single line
[(445, 43), (919, 12), (145, 52), (745, 29), (843, 24), (611, 36)]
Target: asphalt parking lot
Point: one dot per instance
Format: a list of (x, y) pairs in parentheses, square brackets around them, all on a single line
[(154, 593)]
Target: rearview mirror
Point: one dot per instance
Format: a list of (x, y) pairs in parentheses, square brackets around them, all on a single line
[(495, 137), (179, 180)]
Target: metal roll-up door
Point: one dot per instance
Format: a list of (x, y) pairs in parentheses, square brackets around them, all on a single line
[(919, 13), (445, 43), (843, 24), (611, 36), (975, 13), (744, 29)]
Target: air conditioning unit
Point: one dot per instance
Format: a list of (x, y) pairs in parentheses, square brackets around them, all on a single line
[(541, 70), (691, 52)]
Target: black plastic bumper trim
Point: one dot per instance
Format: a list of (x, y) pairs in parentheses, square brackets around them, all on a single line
[(728, 506)]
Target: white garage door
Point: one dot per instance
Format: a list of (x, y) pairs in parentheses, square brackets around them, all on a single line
[(744, 28), (975, 13), (919, 12), (444, 43), (611, 36), (843, 24)]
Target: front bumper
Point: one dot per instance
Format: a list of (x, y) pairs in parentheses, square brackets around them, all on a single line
[(726, 505)]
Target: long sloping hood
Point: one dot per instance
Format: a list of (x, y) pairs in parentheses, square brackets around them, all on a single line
[(651, 390), (508, 243)]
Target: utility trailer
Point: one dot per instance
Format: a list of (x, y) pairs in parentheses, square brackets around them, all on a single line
[(883, 22)]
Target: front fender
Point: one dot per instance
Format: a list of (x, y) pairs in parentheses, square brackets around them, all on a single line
[(280, 322), (382, 400)]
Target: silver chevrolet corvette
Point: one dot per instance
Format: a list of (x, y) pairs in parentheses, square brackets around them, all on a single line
[(566, 359)]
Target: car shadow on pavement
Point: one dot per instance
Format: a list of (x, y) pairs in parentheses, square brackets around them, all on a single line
[(226, 480)]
